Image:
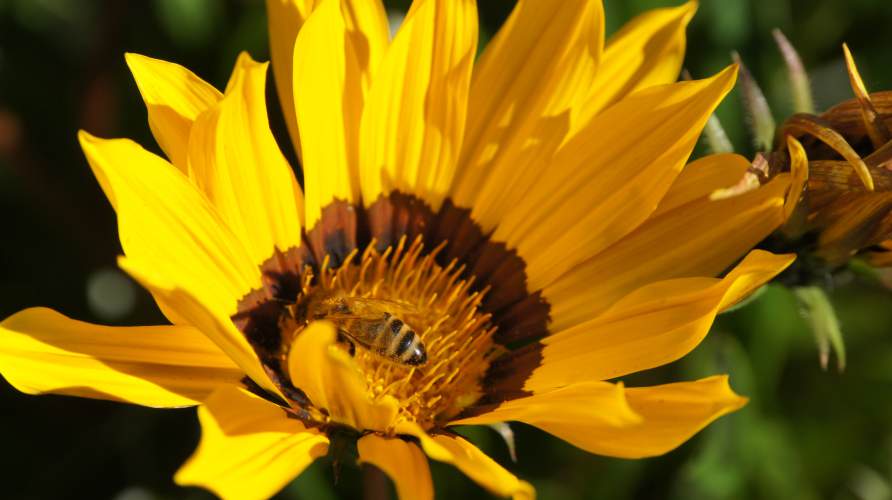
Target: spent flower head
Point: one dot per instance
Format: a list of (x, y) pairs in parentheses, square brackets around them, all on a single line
[(839, 210)]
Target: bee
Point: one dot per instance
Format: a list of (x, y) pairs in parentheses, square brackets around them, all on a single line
[(372, 324)]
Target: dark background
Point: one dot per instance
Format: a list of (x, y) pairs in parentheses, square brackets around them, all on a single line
[(806, 433)]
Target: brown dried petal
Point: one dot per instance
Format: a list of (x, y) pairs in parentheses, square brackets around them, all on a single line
[(853, 221)]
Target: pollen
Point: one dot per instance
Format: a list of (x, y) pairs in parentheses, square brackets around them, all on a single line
[(441, 307)]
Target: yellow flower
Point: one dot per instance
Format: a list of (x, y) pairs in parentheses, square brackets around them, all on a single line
[(530, 216)]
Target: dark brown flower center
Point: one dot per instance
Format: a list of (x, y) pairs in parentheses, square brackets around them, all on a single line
[(462, 297)]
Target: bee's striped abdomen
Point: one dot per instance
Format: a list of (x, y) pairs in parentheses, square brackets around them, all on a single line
[(404, 344)]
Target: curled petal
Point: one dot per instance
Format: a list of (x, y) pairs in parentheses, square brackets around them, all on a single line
[(799, 177), (876, 127), (332, 381), (806, 124)]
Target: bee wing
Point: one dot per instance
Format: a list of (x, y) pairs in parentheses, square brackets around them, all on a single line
[(345, 317), (381, 304)]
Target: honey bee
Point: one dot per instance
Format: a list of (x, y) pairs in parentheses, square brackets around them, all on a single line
[(372, 324)]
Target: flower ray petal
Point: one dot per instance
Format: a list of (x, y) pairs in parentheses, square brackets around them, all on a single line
[(174, 97), (414, 117), (672, 414), (471, 461), (701, 178), (328, 97), (332, 381), (235, 160), (526, 90), (705, 237), (610, 177), (176, 244), (285, 19), (646, 51), (657, 419), (215, 325), (581, 413), (42, 351), (403, 461), (249, 448), (652, 326)]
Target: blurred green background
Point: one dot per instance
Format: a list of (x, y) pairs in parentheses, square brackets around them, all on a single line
[(806, 433)]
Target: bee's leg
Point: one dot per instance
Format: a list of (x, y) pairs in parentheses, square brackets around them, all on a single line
[(344, 339)]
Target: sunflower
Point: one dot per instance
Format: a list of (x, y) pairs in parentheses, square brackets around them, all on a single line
[(525, 224)]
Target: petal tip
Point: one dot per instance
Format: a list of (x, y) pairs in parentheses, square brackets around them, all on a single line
[(688, 10), (730, 72), (88, 142)]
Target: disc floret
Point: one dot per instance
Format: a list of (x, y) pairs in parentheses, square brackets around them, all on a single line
[(442, 307)]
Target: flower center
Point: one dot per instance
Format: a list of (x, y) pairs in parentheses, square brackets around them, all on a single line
[(415, 328)]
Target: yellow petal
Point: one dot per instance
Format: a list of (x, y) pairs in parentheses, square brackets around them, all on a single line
[(174, 97), (369, 32), (799, 173), (652, 326), (215, 325), (330, 378), (249, 448), (164, 218), (414, 117), (671, 414), (610, 177), (402, 461), (235, 160), (42, 351), (701, 178), (367, 27), (176, 244), (581, 413), (655, 419), (526, 90), (328, 94), (647, 51), (471, 461), (701, 238), (285, 18)]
